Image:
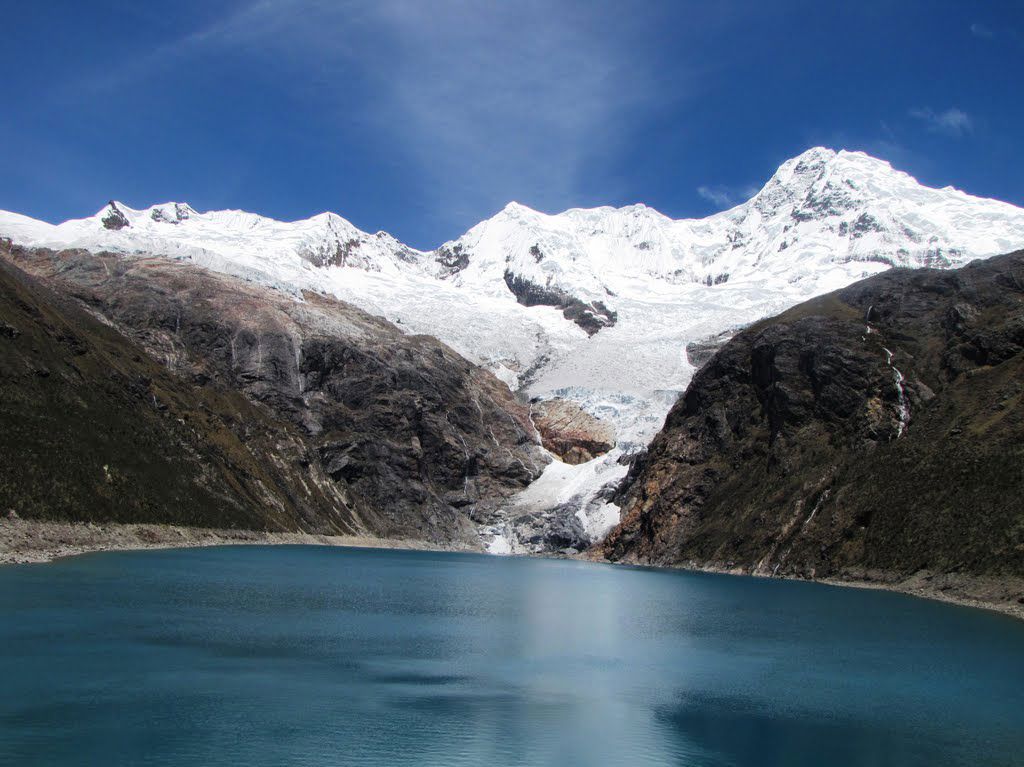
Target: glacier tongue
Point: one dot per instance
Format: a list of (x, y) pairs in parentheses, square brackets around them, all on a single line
[(605, 300)]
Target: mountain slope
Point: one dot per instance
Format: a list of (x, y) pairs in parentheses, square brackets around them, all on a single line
[(554, 300), (875, 432), (393, 435), (593, 307), (96, 429)]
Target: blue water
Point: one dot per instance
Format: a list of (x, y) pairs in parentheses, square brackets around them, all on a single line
[(317, 656)]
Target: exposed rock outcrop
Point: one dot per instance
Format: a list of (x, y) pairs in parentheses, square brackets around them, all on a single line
[(570, 432), (591, 316), (451, 260), (698, 353), (394, 435), (114, 218), (875, 430)]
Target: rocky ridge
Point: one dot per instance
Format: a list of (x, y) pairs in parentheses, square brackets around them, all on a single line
[(873, 433), (352, 421), (595, 305)]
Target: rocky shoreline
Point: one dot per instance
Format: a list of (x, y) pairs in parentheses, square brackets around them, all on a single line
[(871, 436), (32, 541), (1000, 594), (25, 541)]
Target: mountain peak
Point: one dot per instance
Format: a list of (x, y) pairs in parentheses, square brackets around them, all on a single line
[(817, 153), (511, 291), (114, 215), (818, 160), (517, 208), (811, 163), (171, 212), (821, 180)]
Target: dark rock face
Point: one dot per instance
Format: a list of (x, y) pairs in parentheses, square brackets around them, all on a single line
[(879, 428), (698, 353), (557, 529), (402, 432), (95, 429), (590, 316), (451, 260), (339, 255), (181, 213), (115, 218)]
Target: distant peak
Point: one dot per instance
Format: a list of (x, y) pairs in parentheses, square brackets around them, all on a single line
[(327, 217), (112, 205), (517, 208), (816, 158), (172, 212), (817, 162), (812, 161), (821, 153), (113, 216)]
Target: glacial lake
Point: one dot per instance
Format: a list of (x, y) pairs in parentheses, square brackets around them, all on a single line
[(299, 655)]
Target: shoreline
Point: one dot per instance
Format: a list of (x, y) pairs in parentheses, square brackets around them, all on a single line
[(908, 586), (25, 541), (1001, 595), (30, 541)]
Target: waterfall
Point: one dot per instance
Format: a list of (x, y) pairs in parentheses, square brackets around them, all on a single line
[(901, 394)]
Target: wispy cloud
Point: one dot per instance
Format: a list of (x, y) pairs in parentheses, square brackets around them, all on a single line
[(247, 23), (717, 196), (485, 102), (952, 122), (723, 197), (506, 99), (980, 30)]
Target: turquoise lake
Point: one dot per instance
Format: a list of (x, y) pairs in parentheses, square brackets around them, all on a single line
[(297, 655)]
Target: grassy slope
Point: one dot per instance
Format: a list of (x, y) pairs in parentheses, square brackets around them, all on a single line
[(95, 429)]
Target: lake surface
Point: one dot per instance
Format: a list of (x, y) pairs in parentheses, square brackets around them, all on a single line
[(316, 656)]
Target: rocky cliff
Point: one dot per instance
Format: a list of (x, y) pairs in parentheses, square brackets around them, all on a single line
[(873, 432), (570, 432), (141, 389)]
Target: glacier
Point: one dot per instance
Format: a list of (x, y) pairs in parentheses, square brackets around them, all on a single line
[(596, 306)]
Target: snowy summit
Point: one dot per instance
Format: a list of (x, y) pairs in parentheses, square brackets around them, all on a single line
[(595, 306)]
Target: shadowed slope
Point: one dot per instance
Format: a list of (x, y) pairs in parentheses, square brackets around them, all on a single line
[(367, 429), (878, 429)]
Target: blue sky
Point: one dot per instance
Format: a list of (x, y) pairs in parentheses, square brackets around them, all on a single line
[(423, 118)]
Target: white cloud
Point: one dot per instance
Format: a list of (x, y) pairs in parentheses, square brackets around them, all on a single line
[(723, 197), (500, 101), (718, 196), (247, 23), (980, 30), (953, 122), (484, 102)]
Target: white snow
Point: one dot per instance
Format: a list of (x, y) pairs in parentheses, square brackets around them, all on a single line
[(499, 545), (563, 484), (824, 220)]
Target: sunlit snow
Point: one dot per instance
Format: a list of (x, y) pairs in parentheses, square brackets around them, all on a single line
[(824, 220)]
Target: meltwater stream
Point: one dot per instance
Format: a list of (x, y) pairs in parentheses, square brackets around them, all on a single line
[(316, 656)]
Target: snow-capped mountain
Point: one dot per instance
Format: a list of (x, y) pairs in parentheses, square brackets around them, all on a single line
[(596, 306), (270, 248)]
